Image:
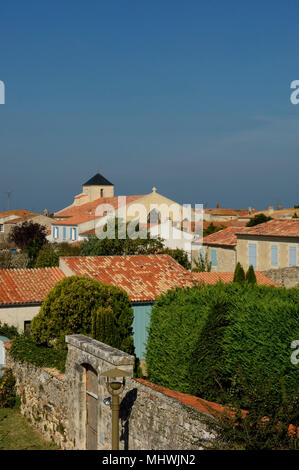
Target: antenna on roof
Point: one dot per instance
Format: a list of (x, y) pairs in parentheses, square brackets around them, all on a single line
[(9, 193)]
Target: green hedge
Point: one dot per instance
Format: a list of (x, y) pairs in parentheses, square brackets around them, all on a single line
[(24, 349), (175, 318), (220, 341)]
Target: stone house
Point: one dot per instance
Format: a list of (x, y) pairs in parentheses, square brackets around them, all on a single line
[(271, 245), (9, 222), (220, 248), (22, 292)]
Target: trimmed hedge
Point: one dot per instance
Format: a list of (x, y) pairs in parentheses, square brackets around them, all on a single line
[(175, 318), (225, 338)]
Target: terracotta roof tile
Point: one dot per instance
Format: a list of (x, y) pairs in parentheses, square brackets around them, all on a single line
[(90, 207), (225, 237), (227, 277), (18, 286), (274, 228), (143, 277)]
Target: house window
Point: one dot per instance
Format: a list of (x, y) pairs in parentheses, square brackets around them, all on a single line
[(252, 255), (102, 192), (73, 233), (1, 227), (27, 324), (292, 256), (214, 258), (274, 255), (55, 232)]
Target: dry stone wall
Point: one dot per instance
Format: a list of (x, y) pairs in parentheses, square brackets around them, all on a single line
[(149, 419), (43, 394)]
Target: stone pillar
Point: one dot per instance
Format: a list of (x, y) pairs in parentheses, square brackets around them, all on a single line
[(84, 351)]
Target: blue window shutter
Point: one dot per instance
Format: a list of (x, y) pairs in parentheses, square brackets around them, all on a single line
[(64, 233), (252, 255), (214, 257), (292, 255), (53, 232), (274, 255), (201, 253)]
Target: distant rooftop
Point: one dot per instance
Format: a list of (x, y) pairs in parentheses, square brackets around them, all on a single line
[(98, 180)]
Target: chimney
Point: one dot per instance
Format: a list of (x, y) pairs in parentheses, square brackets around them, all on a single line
[(218, 206), (249, 210)]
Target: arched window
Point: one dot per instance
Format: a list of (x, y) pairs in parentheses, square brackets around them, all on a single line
[(154, 217)]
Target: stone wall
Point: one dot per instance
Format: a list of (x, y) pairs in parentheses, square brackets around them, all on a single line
[(43, 394), (284, 277), (149, 418)]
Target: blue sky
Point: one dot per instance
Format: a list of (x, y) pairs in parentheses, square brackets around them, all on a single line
[(192, 97)]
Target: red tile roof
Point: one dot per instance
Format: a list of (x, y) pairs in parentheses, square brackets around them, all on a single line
[(21, 219), (227, 277), (21, 286), (226, 237), (143, 277), (205, 406), (274, 228), (90, 207), (75, 220)]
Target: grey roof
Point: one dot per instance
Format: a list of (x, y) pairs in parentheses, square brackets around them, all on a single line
[(98, 180)]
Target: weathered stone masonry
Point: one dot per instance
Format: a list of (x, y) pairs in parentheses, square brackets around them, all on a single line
[(149, 419)]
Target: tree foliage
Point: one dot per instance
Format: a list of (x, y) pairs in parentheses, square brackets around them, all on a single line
[(258, 219), (29, 237), (250, 275), (70, 307), (49, 254), (178, 255), (239, 274), (202, 264), (118, 242)]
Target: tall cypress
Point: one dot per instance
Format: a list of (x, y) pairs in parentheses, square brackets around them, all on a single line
[(239, 274), (250, 275)]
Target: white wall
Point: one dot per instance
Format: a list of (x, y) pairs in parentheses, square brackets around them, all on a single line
[(16, 316)]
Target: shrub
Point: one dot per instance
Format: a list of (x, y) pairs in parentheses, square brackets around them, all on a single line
[(261, 428), (70, 306), (8, 331), (47, 257), (25, 349), (7, 390)]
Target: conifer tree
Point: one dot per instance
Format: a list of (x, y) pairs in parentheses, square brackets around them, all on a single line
[(250, 275), (239, 274)]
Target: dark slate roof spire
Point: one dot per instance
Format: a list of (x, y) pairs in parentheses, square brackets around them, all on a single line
[(98, 180)]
